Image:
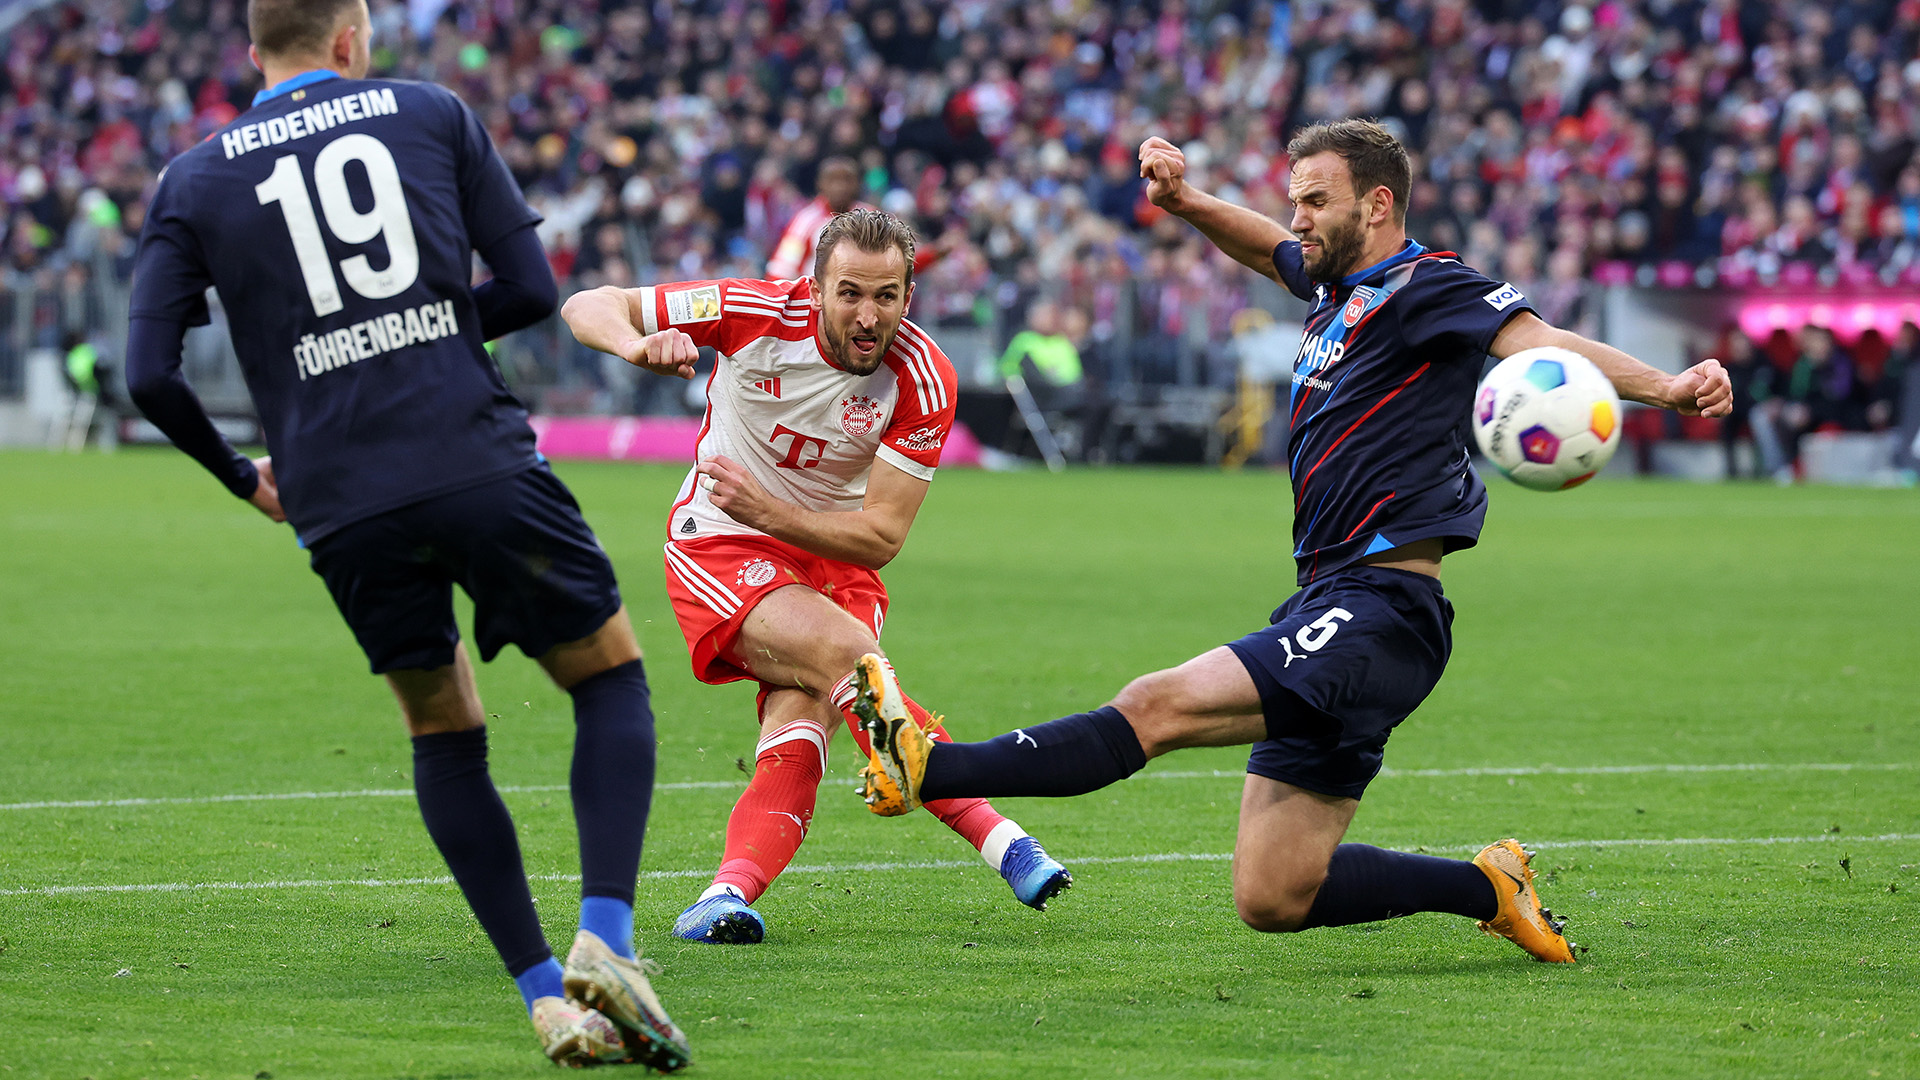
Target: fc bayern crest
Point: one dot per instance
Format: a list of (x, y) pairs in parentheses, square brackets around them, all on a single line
[(859, 415), (755, 574), (1357, 306)]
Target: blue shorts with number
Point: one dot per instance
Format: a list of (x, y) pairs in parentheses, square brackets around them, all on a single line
[(1344, 661)]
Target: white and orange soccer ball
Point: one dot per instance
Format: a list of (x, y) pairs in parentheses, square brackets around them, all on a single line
[(1547, 418)]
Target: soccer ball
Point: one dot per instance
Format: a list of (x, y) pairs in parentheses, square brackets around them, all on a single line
[(1547, 418)]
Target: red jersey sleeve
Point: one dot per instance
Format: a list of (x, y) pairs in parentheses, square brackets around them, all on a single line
[(923, 417), (724, 314)]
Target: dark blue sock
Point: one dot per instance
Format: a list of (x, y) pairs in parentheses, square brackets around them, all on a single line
[(1367, 884), (1070, 756), (470, 826), (544, 979), (612, 782)]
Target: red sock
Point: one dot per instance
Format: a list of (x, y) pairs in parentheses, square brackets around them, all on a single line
[(771, 818), (973, 819)]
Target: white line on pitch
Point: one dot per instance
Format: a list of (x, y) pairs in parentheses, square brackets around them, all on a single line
[(937, 864), (704, 785), (295, 796), (1583, 770)]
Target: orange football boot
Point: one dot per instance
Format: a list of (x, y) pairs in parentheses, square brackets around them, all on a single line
[(897, 758), (1519, 917)]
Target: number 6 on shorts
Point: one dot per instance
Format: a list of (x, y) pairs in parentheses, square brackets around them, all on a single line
[(1315, 635)]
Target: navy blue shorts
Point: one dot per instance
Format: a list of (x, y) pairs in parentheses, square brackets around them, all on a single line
[(517, 545), (1344, 660)]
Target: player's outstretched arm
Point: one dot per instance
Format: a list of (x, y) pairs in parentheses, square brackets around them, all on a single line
[(1247, 235), (870, 536), (609, 319), (1701, 390)]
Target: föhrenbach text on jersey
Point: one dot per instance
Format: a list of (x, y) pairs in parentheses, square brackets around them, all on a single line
[(317, 354), (315, 118)]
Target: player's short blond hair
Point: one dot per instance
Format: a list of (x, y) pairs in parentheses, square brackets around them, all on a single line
[(871, 231)]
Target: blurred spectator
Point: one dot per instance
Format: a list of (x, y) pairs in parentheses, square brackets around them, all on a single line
[(1752, 377), (1044, 361), (1815, 393), (1903, 369), (1043, 353)]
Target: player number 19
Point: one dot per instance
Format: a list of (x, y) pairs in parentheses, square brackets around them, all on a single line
[(388, 217)]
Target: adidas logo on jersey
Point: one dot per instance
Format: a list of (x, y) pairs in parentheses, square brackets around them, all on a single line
[(769, 386), (689, 527)]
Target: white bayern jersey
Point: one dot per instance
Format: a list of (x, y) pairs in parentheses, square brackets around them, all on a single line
[(807, 429)]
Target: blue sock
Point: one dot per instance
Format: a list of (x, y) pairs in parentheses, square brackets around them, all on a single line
[(1368, 884), (544, 979), (610, 920), (612, 778), (1070, 756)]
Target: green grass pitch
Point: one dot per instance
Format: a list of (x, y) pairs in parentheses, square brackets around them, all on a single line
[(161, 641)]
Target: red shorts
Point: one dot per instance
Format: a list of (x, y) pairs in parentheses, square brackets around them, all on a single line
[(715, 581)]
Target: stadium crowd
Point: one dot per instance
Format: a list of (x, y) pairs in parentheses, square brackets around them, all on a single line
[(1556, 143)]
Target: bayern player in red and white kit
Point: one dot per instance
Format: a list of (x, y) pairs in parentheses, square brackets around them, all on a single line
[(826, 415), (838, 184)]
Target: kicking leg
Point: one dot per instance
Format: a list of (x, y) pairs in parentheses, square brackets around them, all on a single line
[(796, 637), (1034, 876), (769, 821), (1207, 701)]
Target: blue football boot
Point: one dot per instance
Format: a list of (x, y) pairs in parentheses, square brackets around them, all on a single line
[(721, 920), (1036, 877)]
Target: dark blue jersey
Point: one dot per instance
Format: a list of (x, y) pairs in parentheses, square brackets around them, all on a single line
[(337, 220), (1381, 391)]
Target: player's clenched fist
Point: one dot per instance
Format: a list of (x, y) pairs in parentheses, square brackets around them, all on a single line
[(1702, 390), (669, 352), (1164, 168)]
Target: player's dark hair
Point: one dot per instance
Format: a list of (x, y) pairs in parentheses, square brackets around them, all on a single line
[(839, 162), (1373, 156), (293, 27), (871, 231)]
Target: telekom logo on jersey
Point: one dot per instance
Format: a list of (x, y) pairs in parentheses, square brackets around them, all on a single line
[(799, 449)]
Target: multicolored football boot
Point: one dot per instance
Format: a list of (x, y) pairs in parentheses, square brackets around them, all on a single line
[(602, 979), (576, 1037)]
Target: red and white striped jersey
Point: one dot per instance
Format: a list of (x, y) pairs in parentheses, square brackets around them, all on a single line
[(793, 255), (806, 428)]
